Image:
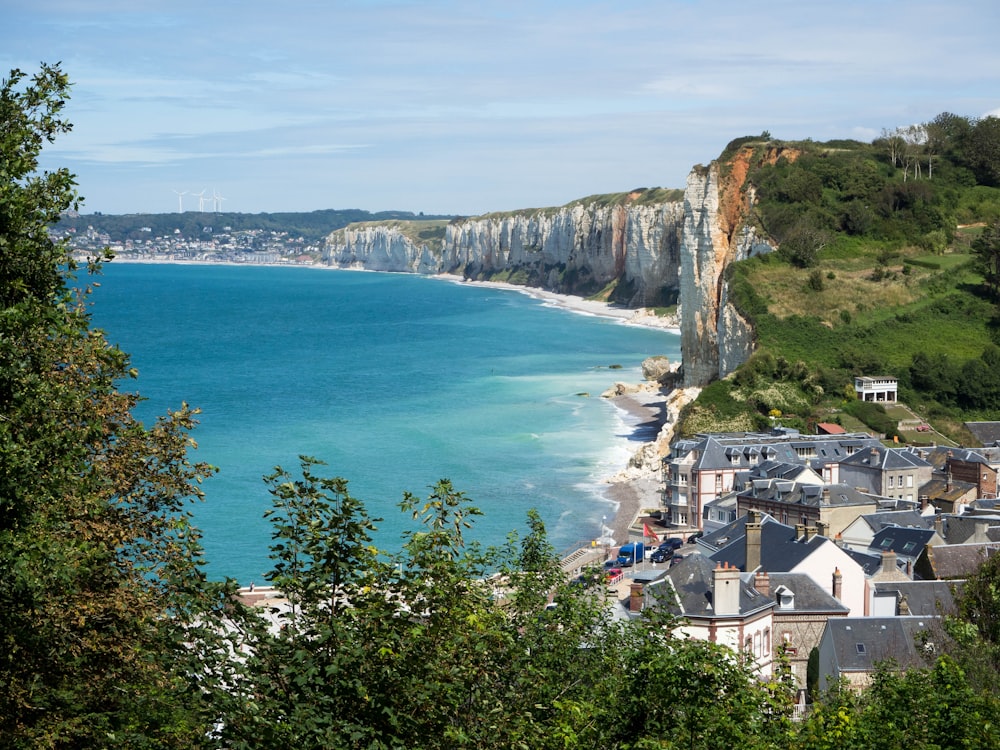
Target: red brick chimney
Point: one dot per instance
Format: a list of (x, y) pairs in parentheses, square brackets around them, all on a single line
[(838, 584), (762, 582)]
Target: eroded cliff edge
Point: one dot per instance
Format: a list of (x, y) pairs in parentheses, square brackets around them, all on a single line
[(630, 250), (635, 252)]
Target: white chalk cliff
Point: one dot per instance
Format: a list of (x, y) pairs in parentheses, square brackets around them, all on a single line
[(654, 254)]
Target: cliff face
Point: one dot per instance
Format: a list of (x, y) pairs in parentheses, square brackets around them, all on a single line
[(715, 339), (578, 249), (657, 254)]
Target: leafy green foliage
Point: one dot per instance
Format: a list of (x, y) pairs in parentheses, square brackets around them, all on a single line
[(106, 618)]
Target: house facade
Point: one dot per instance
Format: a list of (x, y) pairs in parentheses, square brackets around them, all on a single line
[(698, 471), (880, 389), (887, 472)]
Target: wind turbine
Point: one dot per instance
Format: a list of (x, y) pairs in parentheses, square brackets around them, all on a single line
[(201, 200), (217, 201), (180, 200)]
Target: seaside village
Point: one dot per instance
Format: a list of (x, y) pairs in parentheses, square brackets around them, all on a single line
[(833, 544)]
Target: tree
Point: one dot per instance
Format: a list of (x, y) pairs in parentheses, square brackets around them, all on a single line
[(987, 251), (96, 545)]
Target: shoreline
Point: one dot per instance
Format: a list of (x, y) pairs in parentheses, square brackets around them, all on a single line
[(632, 489)]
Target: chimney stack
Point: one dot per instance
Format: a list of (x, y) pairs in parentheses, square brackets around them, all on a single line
[(800, 531), (810, 532), (823, 529), (726, 590), (753, 536), (888, 562), (838, 584), (635, 597), (762, 582)]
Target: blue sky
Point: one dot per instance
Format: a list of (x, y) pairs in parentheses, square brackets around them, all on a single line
[(477, 106)]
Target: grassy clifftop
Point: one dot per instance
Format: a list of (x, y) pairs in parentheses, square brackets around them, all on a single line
[(875, 274)]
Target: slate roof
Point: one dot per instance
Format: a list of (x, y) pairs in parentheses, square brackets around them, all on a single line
[(987, 433), (923, 598), (951, 561), (870, 564), (813, 495), (887, 459), (809, 595), (688, 587), (905, 541), (780, 549), (861, 642), (744, 450), (945, 491), (911, 518)]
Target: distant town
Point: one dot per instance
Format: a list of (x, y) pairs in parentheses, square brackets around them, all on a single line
[(222, 245)]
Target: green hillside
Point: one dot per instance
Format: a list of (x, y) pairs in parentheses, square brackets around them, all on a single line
[(883, 268)]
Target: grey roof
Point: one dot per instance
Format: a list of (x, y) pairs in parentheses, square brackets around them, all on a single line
[(687, 590), (987, 433), (861, 642), (809, 595), (887, 459), (878, 521), (923, 598), (870, 564), (814, 495), (780, 548), (743, 450), (950, 561), (905, 541)]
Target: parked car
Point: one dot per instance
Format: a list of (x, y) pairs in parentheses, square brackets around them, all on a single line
[(661, 555), (676, 559), (694, 536), (614, 574), (673, 543)]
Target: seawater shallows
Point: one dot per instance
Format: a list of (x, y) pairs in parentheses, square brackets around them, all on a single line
[(394, 380)]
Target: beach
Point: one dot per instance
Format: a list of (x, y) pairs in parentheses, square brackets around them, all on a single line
[(636, 488)]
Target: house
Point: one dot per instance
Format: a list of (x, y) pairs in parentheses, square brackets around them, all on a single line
[(906, 542), (830, 508), (700, 470), (757, 541), (969, 466), (882, 389), (720, 604), (860, 533), (887, 472), (852, 648), (800, 617)]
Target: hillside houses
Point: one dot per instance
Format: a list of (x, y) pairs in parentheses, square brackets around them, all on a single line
[(833, 545)]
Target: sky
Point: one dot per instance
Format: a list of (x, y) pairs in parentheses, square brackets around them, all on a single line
[(450, 107)]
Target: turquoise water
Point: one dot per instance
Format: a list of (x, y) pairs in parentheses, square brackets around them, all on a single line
[(395, 381)]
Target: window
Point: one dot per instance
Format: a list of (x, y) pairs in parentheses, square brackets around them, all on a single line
[(909, 480), (890, 483), (861, 649), (767, 641), (682, 480), (900, 480)]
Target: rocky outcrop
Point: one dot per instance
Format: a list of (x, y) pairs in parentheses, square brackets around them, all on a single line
[(715, 339), (577, 249)]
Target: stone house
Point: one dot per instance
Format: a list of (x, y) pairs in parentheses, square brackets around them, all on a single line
[(717, 603), (700, 470), (887, 472), (852, 648), (829, 508)]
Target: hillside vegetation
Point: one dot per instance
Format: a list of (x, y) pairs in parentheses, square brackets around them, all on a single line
[(883, 267)]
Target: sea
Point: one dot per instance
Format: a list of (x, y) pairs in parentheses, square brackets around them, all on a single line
[(394, 381)]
